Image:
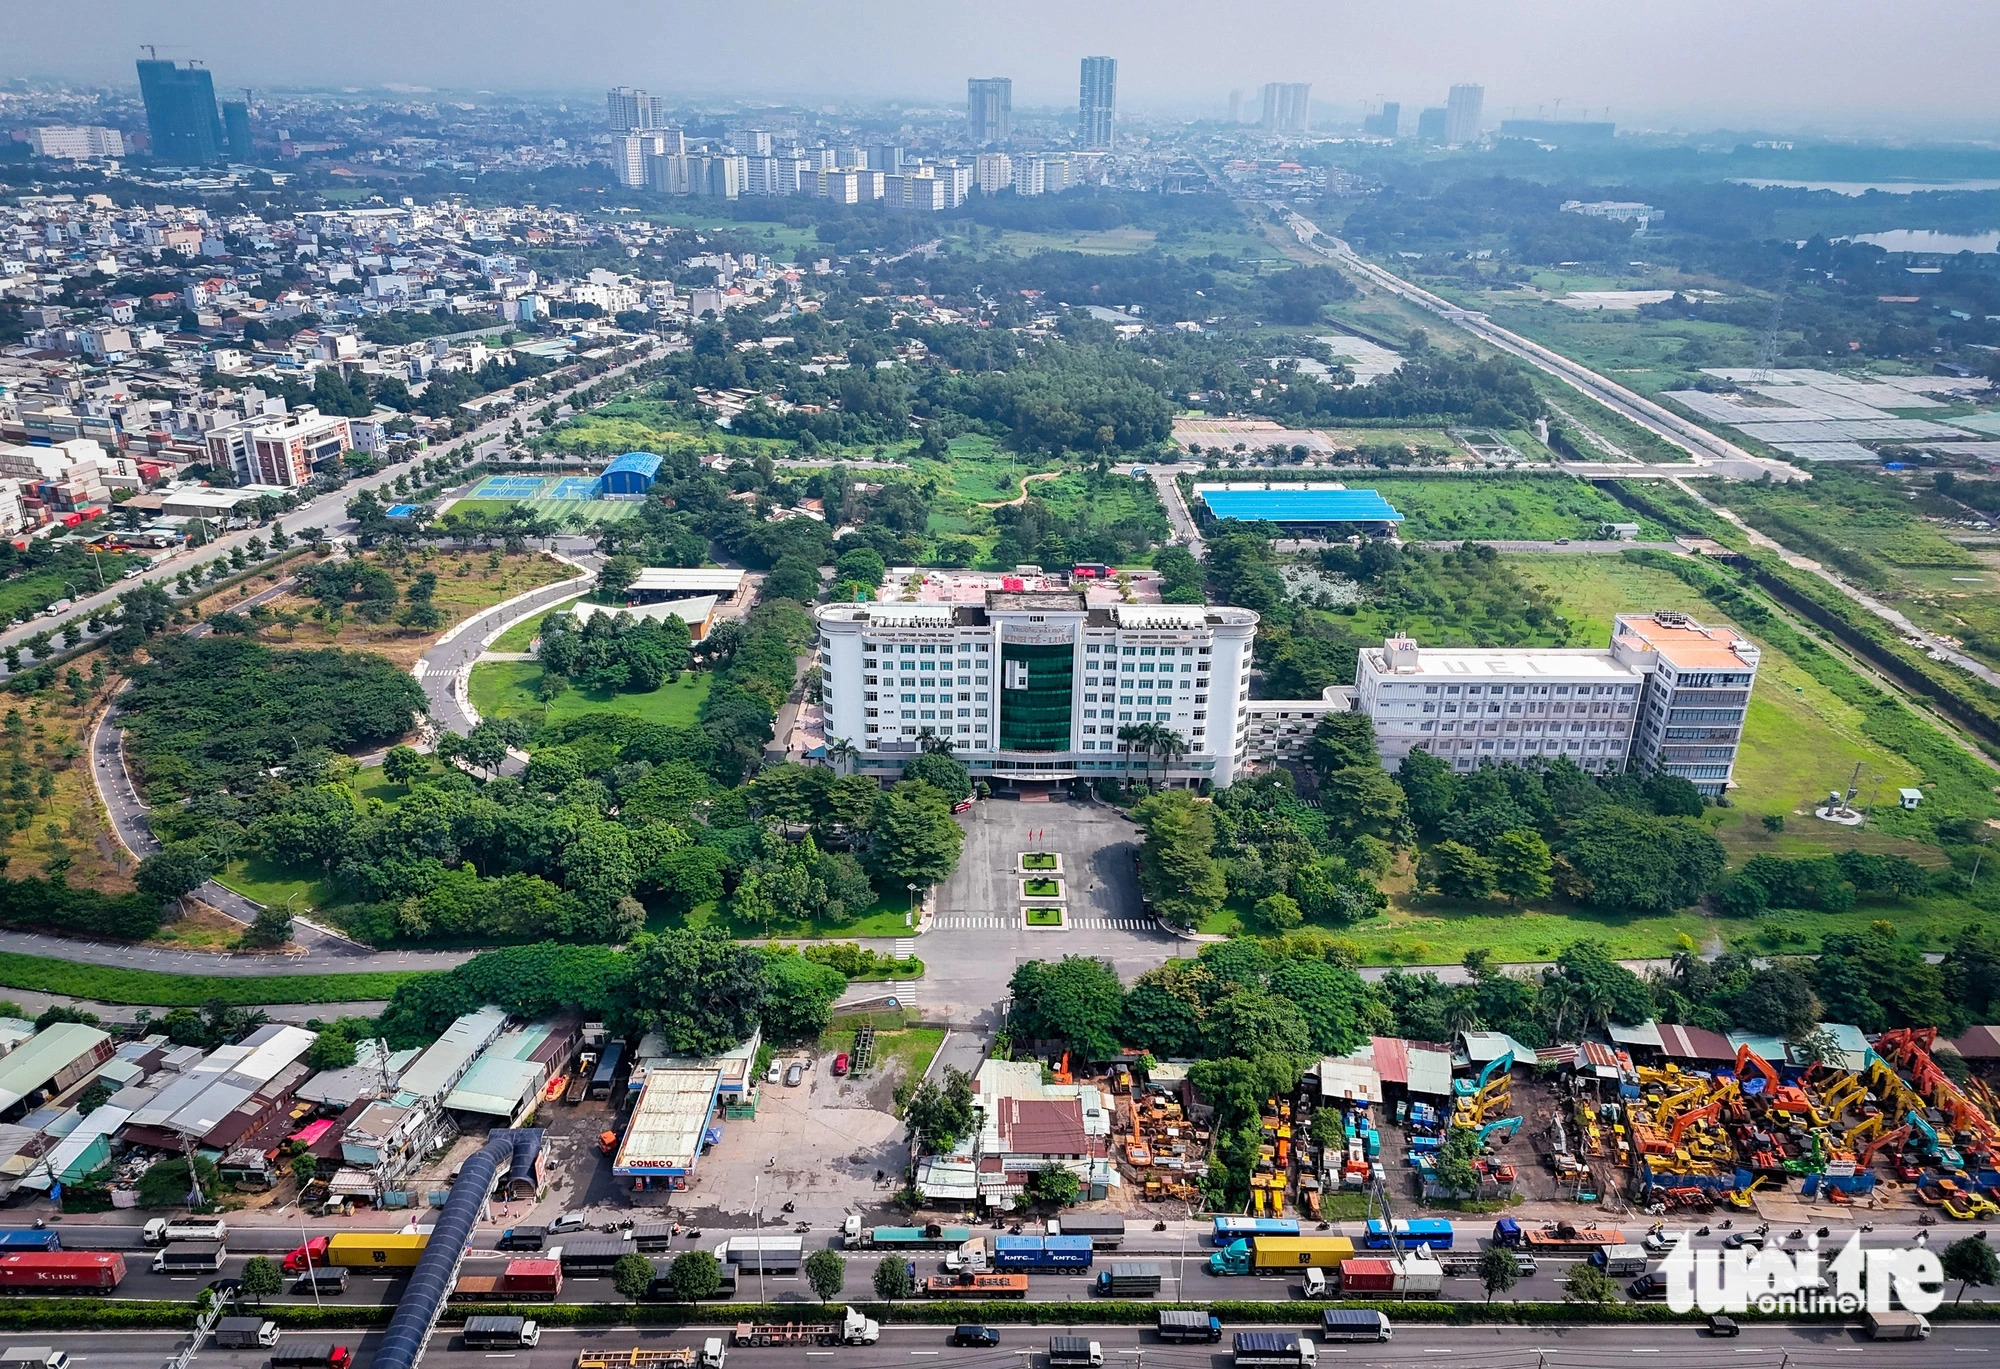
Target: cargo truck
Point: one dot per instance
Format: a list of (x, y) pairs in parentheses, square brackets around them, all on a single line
[(1189, 1326), (1281, 1255), (710, 1356), (330, 1282), (589, 1257), (1129, 1281), (501, 1333), (28, 1238), (540, 1280), (975, 1286), (653, 1236), (1074, 1352), (1419, 1276), (1895, 1326), (933, 1237), (196, 1258), (851, 1329), (771, 1254), (33, 1357), (522, 1238), (311, 1354), (1352, 1323), (1105, 1232), (58, 1271), (376, 1249), (246, 1333), (1361, 1275), (311, 1255), (1564, 1239), (176, 1230), (1055, 1254), (1273, 1349), (1620, 1261), (972, 1256)]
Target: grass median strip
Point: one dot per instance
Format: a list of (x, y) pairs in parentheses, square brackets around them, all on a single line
[(110, 984)]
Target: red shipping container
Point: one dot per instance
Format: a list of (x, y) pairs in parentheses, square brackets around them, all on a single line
[(96, 1271), (532, 1276), (1367, 1276)]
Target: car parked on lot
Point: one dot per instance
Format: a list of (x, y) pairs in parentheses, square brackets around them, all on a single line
[(794, 1075), (962, 806), (840, 1063), (975, 1336)]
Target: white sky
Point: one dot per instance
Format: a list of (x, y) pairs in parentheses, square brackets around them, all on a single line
[(1881, 66)]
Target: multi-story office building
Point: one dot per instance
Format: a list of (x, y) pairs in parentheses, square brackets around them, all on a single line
[(634, 111), (989, 101), (236, 129), (76, 142), (1287, 106), (279, 449), (1667, 694), (1033, 684), (1097, 102), (180, 113), (1430, 125), (993, 172), (1461, 113), (1384, 122)]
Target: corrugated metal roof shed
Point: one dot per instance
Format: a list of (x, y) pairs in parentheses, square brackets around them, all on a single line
[(1645, 1034), (43, 1056), (1300, 506), (664, 1137), (1353, 1078), (495, 1086), (445, 1063), (1430, 1070)]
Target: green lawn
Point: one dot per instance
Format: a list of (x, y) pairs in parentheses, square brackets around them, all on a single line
[(502, 689), (1526, 508), (886, 919), (108, 985), (274, 885), (1045, 917), (913, 1046), (521, 636)]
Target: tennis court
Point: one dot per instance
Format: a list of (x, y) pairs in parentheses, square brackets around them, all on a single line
[(510, 487), (573, 487)]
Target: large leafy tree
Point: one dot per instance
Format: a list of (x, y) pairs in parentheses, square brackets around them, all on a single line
[(912, 838), (1177, 866), (702, 991), (1077, 999)]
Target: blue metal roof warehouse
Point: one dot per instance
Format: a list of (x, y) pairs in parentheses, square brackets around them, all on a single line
[(1301, 506), (632, 473)]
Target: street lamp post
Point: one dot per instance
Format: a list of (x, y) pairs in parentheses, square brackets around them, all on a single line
[(910, 918)]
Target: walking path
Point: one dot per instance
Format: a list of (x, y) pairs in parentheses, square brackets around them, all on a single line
[(1022, 497)]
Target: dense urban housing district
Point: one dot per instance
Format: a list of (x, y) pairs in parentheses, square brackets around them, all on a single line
[(641, 729)]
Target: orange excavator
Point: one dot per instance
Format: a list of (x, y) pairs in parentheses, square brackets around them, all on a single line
[(1783, 1097), (1690, 1119)]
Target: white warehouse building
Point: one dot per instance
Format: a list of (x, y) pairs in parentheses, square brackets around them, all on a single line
[(1032, 686)]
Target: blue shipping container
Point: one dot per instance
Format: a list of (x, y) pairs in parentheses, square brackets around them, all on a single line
[(28, 1238), (1039, 1252)]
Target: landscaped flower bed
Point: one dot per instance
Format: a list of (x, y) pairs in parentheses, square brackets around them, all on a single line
[(1043, 917), (1047, 861), (1041, 888)]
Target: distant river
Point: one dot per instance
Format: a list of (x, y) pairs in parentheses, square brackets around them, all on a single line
[(1863, 187), (1924, 240)]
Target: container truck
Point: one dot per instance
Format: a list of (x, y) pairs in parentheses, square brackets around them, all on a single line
[(1564, 1239), (589, 1257), (540, 1280), (246, 1333), (972, 1256), (933, 1237), (33, 1357), (311, 1354), (174, 1230), (1368, 1275), (310, 1255), (376, 1249), (1620, 1261), (54, 1271), (1275, 1349), (851, 1329), (653, 1236), (975, 1286), (1105, 1232), (1129, 1281), (1230, 1229), (1895, 1326), (771, 1254), (197, 1258), (501, 1333), (1419, 1276), (522, 1238), (1074, 1352), (1189, 1326), (1281, 1254), (709, 1356), (1353, 1323), (1056, 1254), (28, 1238)]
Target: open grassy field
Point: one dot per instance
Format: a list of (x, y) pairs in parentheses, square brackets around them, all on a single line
[(522, 635), (109, 985), (504, 689), (1529, 508)]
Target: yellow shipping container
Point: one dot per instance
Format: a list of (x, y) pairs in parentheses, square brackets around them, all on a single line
[(371, 1250), (1300, 1252)]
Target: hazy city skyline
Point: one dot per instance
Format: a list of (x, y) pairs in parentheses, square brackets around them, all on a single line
[(1835, 64)]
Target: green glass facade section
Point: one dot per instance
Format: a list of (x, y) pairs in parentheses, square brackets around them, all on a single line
[(1036, 718)]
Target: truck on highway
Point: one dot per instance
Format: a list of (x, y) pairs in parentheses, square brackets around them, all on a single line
[(1895, 1326), (972, 1256), (540, 1280), (311, 1255), (198, 1257), (653, 1236), (329, 1282), (970, 1285), (1124, 1280), (771, 1254), (1105, 1232), (29, 1238), (522, 1238), (33, 1357), (1353, 1323), (1074, 1352), (1274, 1350), (851, 1329), (1620, 1261), (246, 1333), (1055, 1254), (376, 1249), (661, 1289), (855, 1236), (1358, 1276), (589, 1257), (59, 1271), (501, 1333), (1281, 1255), (1189, 1326), (1558, 1239), (178, 1230), (710, 1356), (311, 1354)]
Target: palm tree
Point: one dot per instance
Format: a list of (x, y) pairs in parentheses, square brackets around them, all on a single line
[(1169, 744), (842, 753)]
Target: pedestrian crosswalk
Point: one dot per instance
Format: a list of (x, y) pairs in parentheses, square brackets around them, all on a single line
[(905, 990), (956, 923)]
